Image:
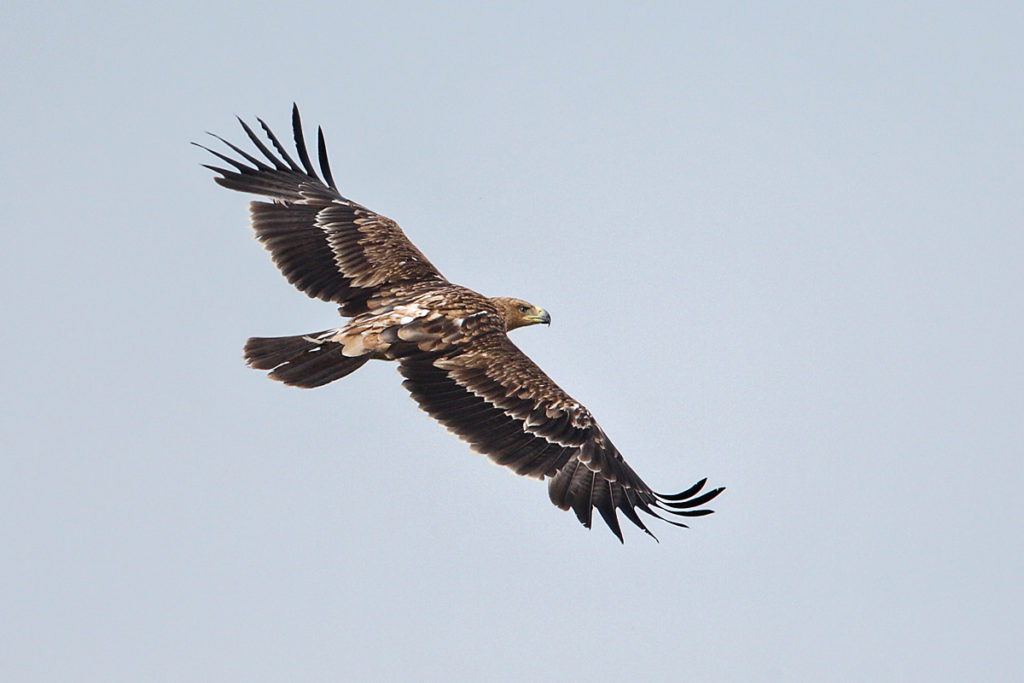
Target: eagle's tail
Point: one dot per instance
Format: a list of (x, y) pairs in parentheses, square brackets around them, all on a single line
[(305, 360)]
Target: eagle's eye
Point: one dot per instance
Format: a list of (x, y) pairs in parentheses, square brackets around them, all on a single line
[(524, 309)]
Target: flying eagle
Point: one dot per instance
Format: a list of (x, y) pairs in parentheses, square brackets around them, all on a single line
[(450, 343)]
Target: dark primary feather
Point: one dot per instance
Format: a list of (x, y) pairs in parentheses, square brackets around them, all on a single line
[(325, 166)]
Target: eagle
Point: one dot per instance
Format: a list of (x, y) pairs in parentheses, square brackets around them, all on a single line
[(450, 343)]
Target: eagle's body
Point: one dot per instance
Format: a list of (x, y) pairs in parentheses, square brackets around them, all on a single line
[(450, 342)]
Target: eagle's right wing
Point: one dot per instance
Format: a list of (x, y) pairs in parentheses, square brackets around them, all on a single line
[(327, 246), (488, 392)]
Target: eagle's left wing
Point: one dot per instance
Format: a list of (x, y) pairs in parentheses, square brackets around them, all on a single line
[(489, 393), (328, 246)]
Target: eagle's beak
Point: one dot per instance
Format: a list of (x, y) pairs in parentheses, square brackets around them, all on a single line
[(543, 316)]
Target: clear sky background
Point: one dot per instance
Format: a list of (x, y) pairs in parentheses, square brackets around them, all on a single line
[(782, 248)]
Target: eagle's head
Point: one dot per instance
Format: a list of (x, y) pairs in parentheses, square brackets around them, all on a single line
[(519, 313)]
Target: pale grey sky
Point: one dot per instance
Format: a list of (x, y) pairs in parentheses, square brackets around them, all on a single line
[(781, 246)]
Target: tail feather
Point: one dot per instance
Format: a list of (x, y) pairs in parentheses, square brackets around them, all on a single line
[(303, 360)]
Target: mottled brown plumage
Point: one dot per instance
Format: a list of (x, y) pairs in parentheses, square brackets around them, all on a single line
[(450, 342)]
